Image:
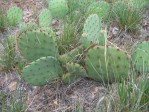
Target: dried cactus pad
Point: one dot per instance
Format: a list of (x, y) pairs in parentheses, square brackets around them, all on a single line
[(107, 64), (14, 15), (140, 57), (91, 31), (45, 17), (35, 44), (58, 8), (42, 70)]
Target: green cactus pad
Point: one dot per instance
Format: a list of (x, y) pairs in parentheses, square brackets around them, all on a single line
[(71, 56), (45, 17), (69, 78), (84, 3), (42, 70), (58, 8), (46, 30), (35, 44), (74, 71), (107, 64), (79, 4), (91, 31), (26, 26), (14, 15), (101, 8), (140, 57)]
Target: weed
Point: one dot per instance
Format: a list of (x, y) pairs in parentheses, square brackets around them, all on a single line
[(14, 103), (8, 56), (2, 20), (129, 96), (128, 13)]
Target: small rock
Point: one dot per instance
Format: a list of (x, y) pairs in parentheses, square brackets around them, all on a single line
[(115, 30), (12, 86)]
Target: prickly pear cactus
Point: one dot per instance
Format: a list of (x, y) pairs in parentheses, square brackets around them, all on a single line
[(140, 57), (79, 4), (45, 17), (14, 15), (35, 44), (26, 26), (41, 71), (107, 64), (71, 56), (84, 3), (101, 8), (58, 8), (74, 71), (91, 31)]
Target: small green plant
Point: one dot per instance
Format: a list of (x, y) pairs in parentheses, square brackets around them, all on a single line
[(2, 20), (129, 96), (13, 103), (8, 56), (127, 16)]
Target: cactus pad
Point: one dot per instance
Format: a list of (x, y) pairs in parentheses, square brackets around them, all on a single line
[(71, 56), (84, 3), (91, 31), (42, 70), (26, 26), (35, 44), (107, 64), (14, 15), (58, 8), (140, 57), (101, 8), (74, 71), (45, 17)]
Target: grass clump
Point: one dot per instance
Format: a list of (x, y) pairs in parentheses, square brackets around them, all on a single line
[(14, 102), (128, 13), (9, 54), (2, 20), (131, 96)]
